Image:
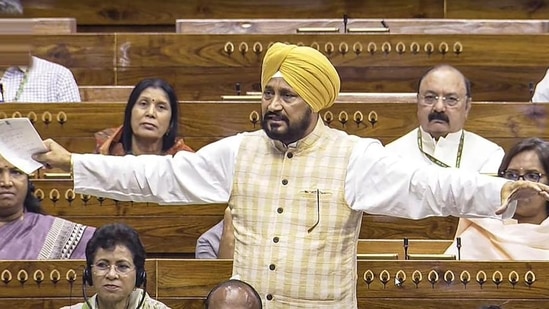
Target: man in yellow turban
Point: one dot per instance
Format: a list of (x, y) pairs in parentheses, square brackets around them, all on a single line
[(297, 189), (306, 70)]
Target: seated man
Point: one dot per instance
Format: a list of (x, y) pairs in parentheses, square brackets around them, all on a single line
[(218, 241), (525, 236), (444, 102), (27, 78), (27, 233), (233, 294)]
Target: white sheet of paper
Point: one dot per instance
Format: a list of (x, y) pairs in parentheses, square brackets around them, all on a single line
[(18, 142)]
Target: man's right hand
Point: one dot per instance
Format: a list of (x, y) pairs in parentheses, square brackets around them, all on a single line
[(55, 157)]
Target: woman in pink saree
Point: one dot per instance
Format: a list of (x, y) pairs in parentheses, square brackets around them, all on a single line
[(525, 236), (28, 234)]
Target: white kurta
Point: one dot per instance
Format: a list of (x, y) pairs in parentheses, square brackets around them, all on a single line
[(375, 181), (478, 154)]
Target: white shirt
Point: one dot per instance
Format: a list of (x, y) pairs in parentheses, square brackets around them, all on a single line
[(46, 82), (541, 94), (478, 154), (376, 182)]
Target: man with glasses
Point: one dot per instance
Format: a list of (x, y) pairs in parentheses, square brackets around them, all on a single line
[(443, 104)]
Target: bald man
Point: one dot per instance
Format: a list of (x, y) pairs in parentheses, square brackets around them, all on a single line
[(297, 188), (443, 105), (233, 294)]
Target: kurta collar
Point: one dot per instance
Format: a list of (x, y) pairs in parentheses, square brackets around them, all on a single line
[(430, 143)]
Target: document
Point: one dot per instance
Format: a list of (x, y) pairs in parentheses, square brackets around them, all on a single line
[(18, 142)]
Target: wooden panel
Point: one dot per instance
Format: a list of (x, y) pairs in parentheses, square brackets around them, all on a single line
[(42, 25), (88, 56), (513, 120), (142, 12), (499, 66), (503, 9), (384, 227), (415, 246), (97, 93), (358, 25), (177, 50), (48, 287), (185, 283)]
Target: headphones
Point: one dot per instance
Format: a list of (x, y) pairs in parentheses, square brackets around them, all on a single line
[(140, 278)]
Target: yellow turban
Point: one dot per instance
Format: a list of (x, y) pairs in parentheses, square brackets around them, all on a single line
[(306, 70)]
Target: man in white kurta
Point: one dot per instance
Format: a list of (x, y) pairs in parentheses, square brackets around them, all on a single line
[(297, 188), (440, 139)]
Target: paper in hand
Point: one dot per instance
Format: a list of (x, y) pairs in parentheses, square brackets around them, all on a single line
[(18, 142)]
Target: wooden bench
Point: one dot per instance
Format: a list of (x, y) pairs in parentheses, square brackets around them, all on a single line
[(172, 231), (361, 25), (73, 125), (40, 25), (202, 67), (381, 284)]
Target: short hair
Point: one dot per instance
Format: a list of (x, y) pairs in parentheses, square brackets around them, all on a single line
[(536, 144), (168, 140), (109, 236), (32, 203), (466, 81), (236, 283)]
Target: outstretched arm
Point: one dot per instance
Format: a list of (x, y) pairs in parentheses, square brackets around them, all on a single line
[(201, 177), (379, 182)]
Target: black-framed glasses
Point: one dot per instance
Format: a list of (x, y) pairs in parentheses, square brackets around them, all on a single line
[(529, 176), (102, 268), (431, 99)]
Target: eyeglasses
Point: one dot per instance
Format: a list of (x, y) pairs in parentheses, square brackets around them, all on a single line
[(431, 99), (102, 268), (529, 176)]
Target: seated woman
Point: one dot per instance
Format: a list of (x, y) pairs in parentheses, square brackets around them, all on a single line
[(27, 233), (525, 236), (116, 245), (150, 123)]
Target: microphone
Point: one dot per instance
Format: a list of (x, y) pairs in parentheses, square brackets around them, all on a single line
[(1, 93), (458, 245), (237, 88), (405, 248), (345, 21)]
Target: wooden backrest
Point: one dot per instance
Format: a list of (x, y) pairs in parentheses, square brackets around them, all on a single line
[(202, 67), (381, 284), (172, 231), (41, 25), (105, 93), (361, 25)]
